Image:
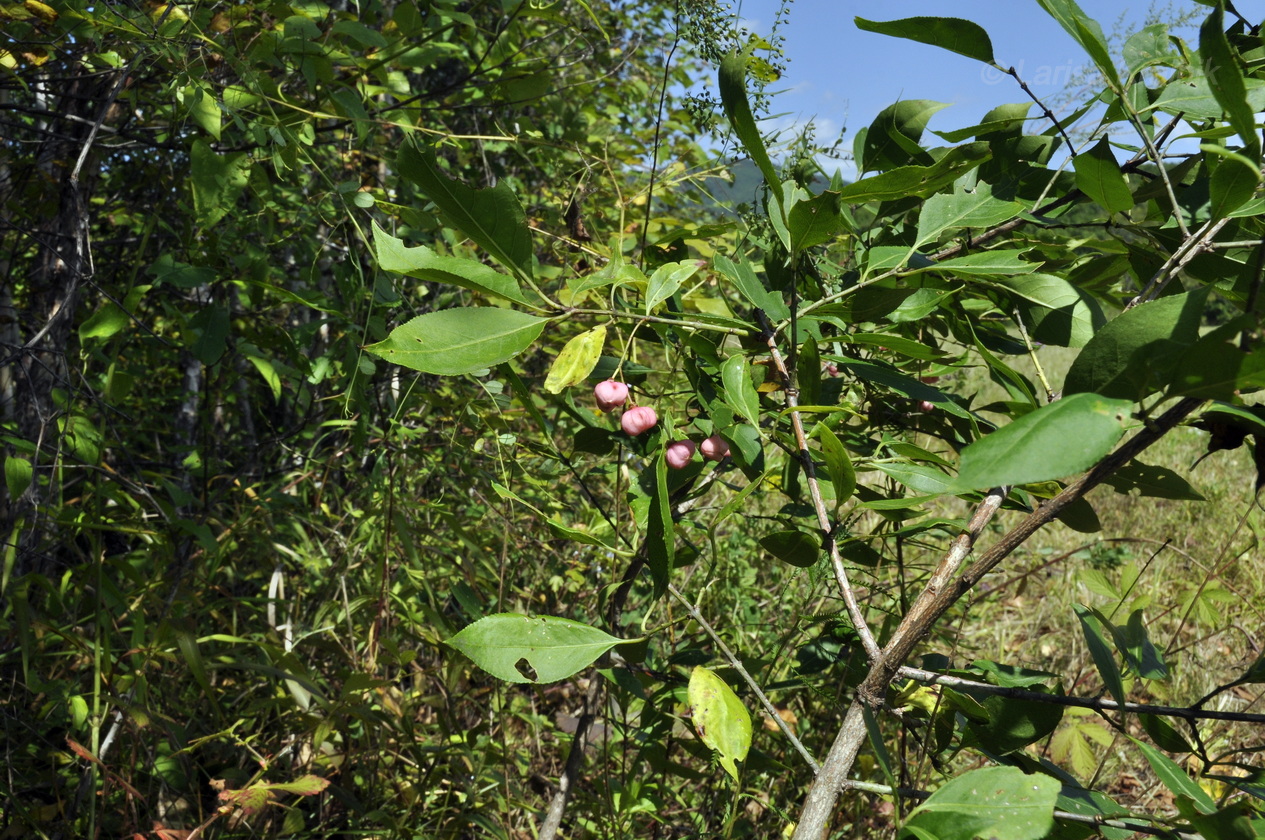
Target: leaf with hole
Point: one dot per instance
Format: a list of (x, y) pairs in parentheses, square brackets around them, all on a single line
[(532, 649), (723, 723)]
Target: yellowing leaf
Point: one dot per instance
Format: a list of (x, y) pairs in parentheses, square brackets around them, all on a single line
[(576, 361), (45, 13), (723, 723)]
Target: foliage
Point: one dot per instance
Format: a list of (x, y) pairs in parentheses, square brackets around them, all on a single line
[(298, 428)]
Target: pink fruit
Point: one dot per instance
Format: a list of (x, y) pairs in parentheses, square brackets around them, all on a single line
[(610, 394), (715, 448), (679, 453), (638, 419), (926, 407)]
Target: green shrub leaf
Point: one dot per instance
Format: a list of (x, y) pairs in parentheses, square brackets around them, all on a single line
[(963, 37), (1056, 440), (532, 649), (492, 217), (794, 547), (1098, 176), (1002, 803), (461, 340), (424, 264), (1133, 356)]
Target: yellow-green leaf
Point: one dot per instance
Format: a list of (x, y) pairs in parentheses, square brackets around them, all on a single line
[(723, 723), (577, 360)]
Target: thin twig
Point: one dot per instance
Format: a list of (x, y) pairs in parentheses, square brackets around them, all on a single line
[(1186, 252), (814, 489), (1097, 703), (737, 665)]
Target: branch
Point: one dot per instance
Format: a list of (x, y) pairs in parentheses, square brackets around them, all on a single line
[(819, 805), (814, 489)]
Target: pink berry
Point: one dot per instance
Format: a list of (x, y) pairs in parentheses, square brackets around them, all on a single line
[(926, 407), (715, 448), (679, 453), (638, 419), (610, 394)]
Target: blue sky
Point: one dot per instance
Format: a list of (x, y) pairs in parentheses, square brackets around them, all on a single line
[(842, 77)]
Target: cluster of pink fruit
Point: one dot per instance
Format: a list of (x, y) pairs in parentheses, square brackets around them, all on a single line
[(640, 419)]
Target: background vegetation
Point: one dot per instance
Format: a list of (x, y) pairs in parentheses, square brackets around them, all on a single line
[(240, 537)]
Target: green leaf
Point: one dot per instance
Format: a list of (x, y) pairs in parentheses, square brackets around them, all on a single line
[(308, 785), (1163, 734), (493, 218), (666, 280), (1011, 724), (892, 139), (740, 394), (920, 478), (1174, 777), (815, 221), (751, 288), (723, 723), (1233, 822), (1134, 354), (18, 474), (953, 34), (1004, 120), (1157, 482), (660, 531), (985, 263), (1195, 98), (1143, 657), (1148, 47), (1086, 32), (576, 361), (906, 386), (1100, 652), (1056, 311), (920, 181), (532, 649), (462, 340), (1233, 183), (1223, 68), (1056, 440), (216, 180), (733, 98), (267, 370), (1000, 803), (943, 212), (203, 109), (794, 547), (424, 264), (1099, 177), (842, 474), (104, 323)]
